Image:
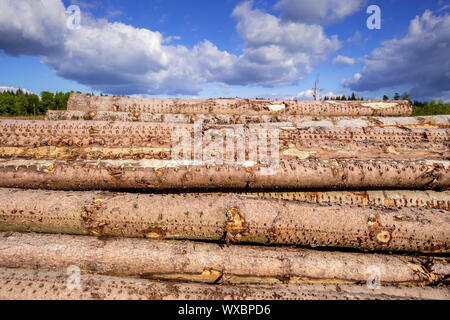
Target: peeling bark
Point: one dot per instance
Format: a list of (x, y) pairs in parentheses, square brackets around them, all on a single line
[(238, 106), (425, 122), (163, 175), (213, 263), (229, 218), (20, 284)]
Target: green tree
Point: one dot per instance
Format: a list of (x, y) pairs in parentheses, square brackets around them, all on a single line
[(33, 104), (6, 103), (20, 105), (396, 96), (59, 101), (406, 96), (385, 98), (47, 102)]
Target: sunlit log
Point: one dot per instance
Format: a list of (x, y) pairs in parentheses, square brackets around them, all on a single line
[(21, 284), (214, 263), (88, 103), (227, 218)]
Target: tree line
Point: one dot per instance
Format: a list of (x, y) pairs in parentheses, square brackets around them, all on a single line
[(420, 108), (21, 103)]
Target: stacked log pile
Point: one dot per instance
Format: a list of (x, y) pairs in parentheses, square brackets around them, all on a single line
[(352, 201)]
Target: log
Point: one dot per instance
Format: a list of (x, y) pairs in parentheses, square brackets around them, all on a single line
[(145, 174), (22, 284), (213, 263), (381, 198), (26, 132), (230, 218), (237, 106), (104, 140), (430, 122)]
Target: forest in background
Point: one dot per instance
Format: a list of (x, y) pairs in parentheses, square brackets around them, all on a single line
[(19, 103)]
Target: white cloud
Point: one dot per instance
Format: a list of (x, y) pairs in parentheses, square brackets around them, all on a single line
[(306, 95), (14, 90), (277, 53), (419, 60), (31, 27), (309, 95), (121, 59), (355, 38), (348, 82), (343, 61), (318, 11), (332, 95)]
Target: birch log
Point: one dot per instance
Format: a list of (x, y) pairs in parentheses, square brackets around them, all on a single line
[(213, 263), (239, 106), (22, 284), (229, 218)]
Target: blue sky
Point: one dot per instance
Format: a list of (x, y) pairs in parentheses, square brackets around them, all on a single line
[(227, 48)]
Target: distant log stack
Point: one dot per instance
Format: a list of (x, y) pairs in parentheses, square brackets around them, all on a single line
[(225, 199), (236, 106)]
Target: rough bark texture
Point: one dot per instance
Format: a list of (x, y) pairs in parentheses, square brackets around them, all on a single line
[(213, 263), (31, 132), (440, 121), (157, 174), (229, 218), (23, 284), (219, 143), (239, 106), (380, 198)]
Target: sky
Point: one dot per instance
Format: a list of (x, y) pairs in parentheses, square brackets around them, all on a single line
[(227, 48)]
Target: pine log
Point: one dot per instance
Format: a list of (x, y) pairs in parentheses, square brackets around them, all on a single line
[(234, 106), (230, 218), (220, 143), (167, 175), (22, 284), (214, 263), (438, 121), (380, 198)]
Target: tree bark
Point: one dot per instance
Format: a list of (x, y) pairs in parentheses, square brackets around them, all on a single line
[(166, 175), (440, 121), (229, 218), (381, 198), (213, 263), (239, 106), (219, 143), (30, 132), (21, 284)]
